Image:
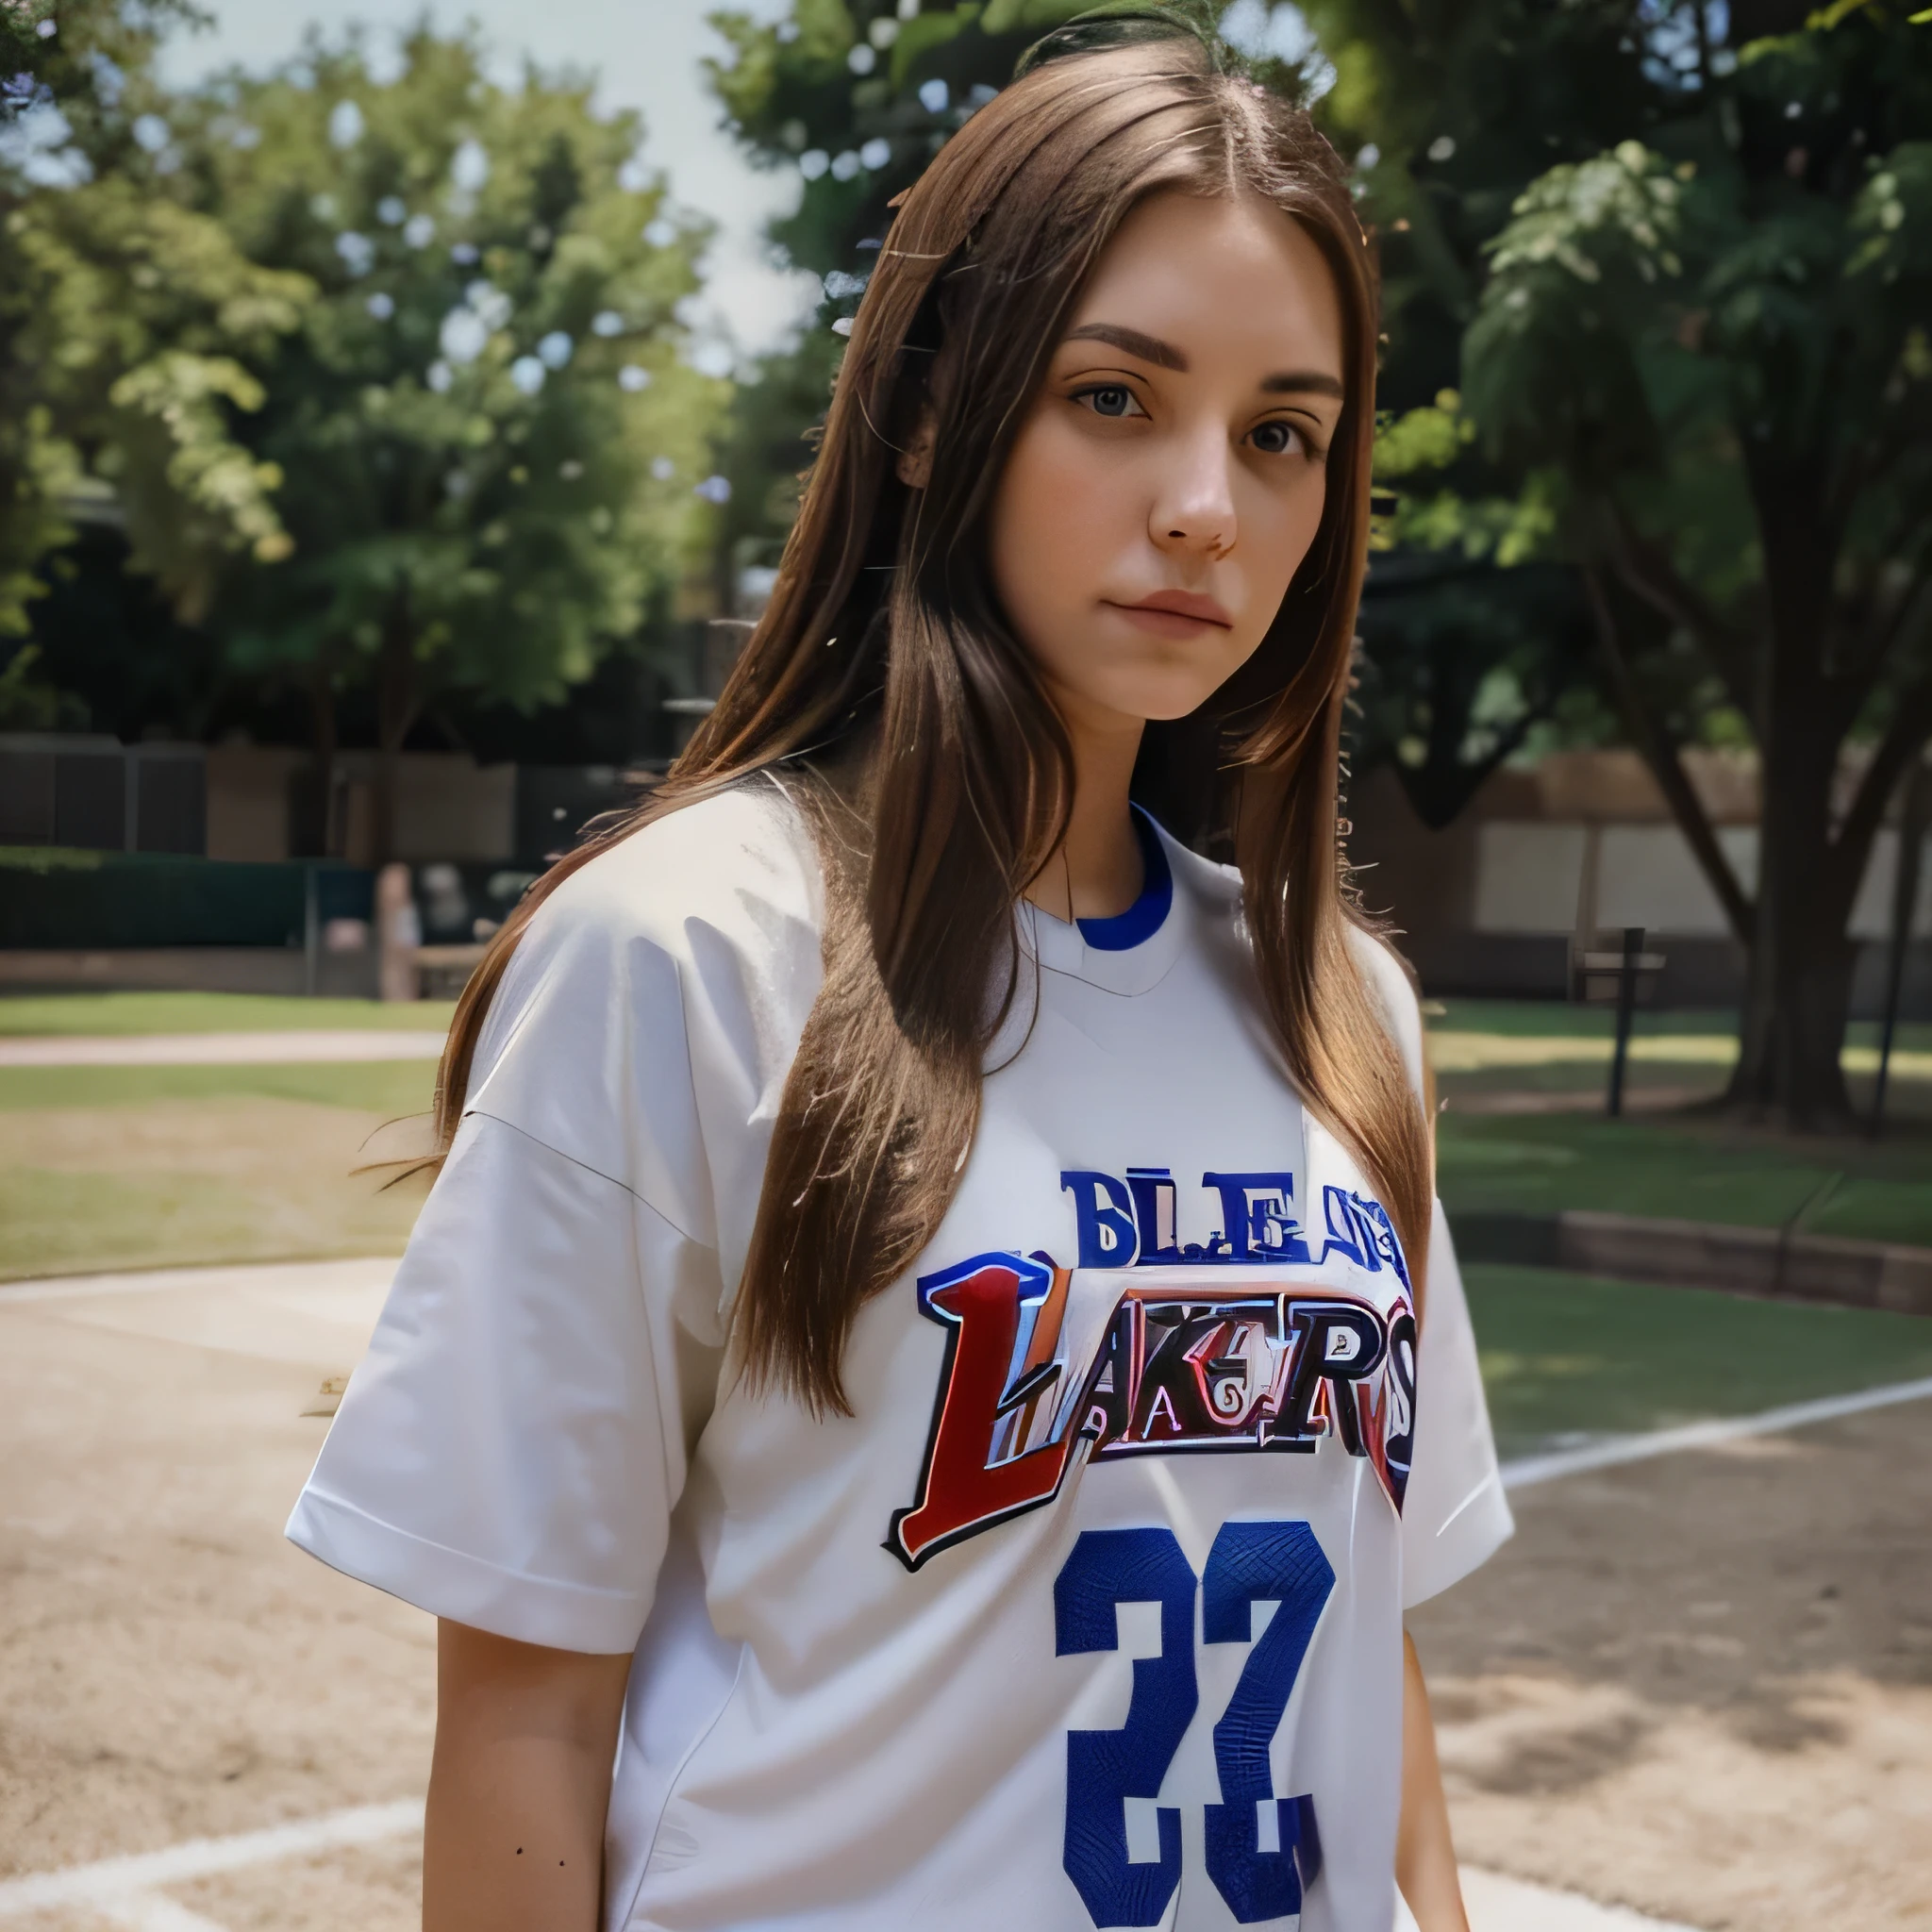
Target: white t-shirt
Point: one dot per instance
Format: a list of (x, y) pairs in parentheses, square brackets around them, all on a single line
[(1090, 1614)]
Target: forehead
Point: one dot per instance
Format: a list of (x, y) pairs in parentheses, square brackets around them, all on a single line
[(1232, 283)]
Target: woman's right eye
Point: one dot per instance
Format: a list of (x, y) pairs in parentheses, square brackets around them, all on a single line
[(1110, 399)]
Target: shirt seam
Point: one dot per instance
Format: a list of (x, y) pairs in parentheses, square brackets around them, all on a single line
[(624, 1186), (671, 1789)]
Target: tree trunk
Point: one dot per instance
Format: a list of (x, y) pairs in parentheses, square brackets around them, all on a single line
[(1792, 1030), (1798, 958), (398, 703), (1799, 979)]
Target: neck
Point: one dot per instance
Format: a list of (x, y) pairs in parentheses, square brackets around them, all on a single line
[(1097, 870)]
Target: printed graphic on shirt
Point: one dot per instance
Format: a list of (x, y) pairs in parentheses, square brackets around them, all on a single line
[(1186, 1360)]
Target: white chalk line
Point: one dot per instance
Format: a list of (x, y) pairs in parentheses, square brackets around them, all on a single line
[(1528, 1470), (151, 1911), (1499, 1904), (118, 1887), (124, 1891)]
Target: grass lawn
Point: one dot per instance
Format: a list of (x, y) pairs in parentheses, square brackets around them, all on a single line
[(1555, 1020), (1688, 1167), (152, 1166), (208, 1012), (1565, 1354), (390, 1088), (1507, 1142)]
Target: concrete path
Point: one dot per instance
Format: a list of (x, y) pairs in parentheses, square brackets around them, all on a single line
[(217, 1049)]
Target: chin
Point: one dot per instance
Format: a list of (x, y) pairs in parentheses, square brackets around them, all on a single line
[(1161, 701)]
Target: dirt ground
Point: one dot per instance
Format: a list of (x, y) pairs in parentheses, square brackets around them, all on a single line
[(1701, 1686), (170, 1668)]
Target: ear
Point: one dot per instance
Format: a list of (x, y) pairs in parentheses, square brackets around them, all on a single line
[(915, 460)]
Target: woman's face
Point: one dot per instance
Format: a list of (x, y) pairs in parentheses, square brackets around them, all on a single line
[(1167, 479)]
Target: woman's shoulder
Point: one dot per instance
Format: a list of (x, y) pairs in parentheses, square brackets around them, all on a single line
[(711, 910), (728, 864)]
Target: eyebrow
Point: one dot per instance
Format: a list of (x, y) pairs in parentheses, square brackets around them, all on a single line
[(1165, 355), (1148, 348), (1304, 382)]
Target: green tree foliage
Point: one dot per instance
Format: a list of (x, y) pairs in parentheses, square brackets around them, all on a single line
[(124, 316), (853, 101), (1448, 110), (486, 444), (1702, 356)]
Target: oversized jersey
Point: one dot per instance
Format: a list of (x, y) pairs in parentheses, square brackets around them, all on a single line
[(1089, 1613)]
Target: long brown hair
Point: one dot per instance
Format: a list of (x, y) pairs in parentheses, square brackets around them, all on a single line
[(883, 650)]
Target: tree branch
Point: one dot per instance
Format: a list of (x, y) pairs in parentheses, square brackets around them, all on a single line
[(1661, 756), (1438, 806), (1884, 631), (1906, 736), (1651, 574)]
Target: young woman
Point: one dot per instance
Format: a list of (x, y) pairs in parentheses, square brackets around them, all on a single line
[(913, 1353)]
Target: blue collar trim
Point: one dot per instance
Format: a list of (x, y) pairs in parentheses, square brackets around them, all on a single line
[(1146, 915)]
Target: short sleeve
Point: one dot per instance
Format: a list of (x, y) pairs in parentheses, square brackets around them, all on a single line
[(508, 1452), (1455, 1515)]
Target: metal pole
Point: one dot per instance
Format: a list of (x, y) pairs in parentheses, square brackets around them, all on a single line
[(1627, 1007), (311, 931), (1914, 816)]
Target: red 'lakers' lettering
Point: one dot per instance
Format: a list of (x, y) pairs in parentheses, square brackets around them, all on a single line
[(965, 1489), (1186, 1362)]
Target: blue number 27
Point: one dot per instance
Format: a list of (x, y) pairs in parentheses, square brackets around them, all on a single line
[(1250, 1563)]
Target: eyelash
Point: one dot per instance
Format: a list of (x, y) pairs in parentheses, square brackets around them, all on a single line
[(1084, 397)]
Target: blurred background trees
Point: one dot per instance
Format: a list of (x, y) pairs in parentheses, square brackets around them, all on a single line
[(126, 319), (487, 439), (377, 383), (381, 383), (1697, 363)]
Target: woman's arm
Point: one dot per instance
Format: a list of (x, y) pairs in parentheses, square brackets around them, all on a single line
[(1425, 1855), (519, 1784)]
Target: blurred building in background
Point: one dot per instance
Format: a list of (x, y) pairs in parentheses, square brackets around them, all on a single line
[(1549, 855)]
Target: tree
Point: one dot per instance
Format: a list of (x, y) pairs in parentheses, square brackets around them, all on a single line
[(1475, 644), (1710, 351), (121, 314), (1463, 661), (1691, 355), (486, 442)]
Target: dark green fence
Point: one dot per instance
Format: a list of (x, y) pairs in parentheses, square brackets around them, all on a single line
[(56, 899)]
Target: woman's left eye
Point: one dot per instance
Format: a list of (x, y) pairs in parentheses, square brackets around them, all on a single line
[(1110, 399), (1274, 439)]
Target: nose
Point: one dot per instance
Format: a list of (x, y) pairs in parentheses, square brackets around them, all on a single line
[(1193, 515)]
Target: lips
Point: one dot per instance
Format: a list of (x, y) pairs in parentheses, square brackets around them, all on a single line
[(1188, 605)]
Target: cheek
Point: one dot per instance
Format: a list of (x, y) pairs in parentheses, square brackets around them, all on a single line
[(1054, 528), (1278, 527)]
